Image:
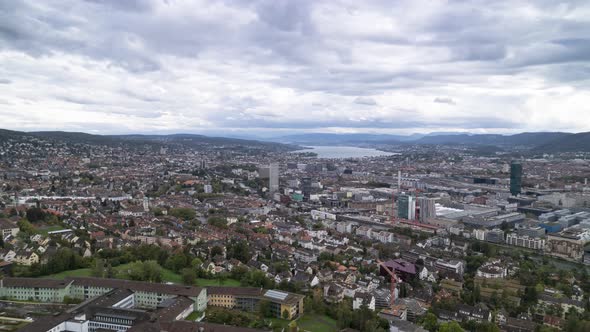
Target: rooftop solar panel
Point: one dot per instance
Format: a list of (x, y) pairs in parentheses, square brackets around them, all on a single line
[(276, 295)]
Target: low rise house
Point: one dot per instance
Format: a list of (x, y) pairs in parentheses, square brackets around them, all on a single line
[(363, 299)]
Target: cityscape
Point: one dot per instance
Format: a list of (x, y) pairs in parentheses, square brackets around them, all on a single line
[(294, 166)]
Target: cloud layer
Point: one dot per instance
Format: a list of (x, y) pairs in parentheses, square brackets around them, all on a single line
[(279, 66)]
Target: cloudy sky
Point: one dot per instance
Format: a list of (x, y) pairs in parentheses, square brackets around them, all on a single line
[(276, 67)]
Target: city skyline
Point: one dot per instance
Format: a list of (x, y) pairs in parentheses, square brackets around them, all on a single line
[(280, 67)]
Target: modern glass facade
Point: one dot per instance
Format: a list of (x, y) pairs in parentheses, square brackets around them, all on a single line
[(515, 178)]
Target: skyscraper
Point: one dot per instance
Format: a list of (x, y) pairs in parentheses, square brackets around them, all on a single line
[(427, 208), (270, 172), (306, 187), (273, 178), (406, 207), (515, 178)]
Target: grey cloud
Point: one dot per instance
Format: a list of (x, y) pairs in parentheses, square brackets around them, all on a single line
[(78, 100), (485, 52), (139, 96), (128, 5), (365, 101), (5, 81), (397, 123), (251, 48), (444, 100), (286, 15)]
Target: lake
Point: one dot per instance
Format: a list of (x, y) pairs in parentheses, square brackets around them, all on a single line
[(334, 152)]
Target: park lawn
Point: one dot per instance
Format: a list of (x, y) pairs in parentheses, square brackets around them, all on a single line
[(278, 323), (86, 272), (47, 229), (214, 282), (171, 276), (167, 276), (194, 316), (317, 323)]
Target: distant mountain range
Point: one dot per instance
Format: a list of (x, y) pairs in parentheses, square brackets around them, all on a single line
[(162, 140), (537, 142), (541, 142)]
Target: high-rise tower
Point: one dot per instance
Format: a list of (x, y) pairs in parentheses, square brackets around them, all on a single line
[(406, 207), (427, 208), (515, 178), (273, 178)]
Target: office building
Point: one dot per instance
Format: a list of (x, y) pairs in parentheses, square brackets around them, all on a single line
[(116, 311), (146, 295), (273, 178), (306, 187), (515, 178), (271, 173), (427, 208), (495, 236), (406, 207), (248, 299)]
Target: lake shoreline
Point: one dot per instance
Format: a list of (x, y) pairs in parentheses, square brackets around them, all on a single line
[(343, 152)]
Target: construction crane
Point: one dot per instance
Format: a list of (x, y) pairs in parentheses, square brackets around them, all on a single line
[(394, 280)]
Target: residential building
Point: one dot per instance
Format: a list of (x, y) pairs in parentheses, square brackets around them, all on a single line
[(146, 295), (525, 241), (248, 299)]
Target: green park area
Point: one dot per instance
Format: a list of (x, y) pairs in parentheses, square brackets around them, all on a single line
[(167, 276), (317, 323)]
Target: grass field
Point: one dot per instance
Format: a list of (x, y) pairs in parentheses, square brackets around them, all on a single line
[(167, 276), (171, 276), (315, 323), (213, 282), (72, 273), (47, 229), (194, 316)]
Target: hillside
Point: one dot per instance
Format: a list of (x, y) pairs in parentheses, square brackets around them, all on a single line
[(188, 140), (571, 143), (528, 140), (523, 139)]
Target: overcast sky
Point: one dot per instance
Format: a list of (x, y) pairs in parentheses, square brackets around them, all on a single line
[(274, 67)]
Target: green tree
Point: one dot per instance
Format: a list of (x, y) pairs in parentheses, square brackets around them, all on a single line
[(98, 269), (143, 271), (430, 322), (450, 327), (285, 314), (189, 276), (35, 214), (216, 250), (26, 227), (217, 221), (183, 213), (177, 262), (196, 262), (264, 308), (343, 315), (239, 250)]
